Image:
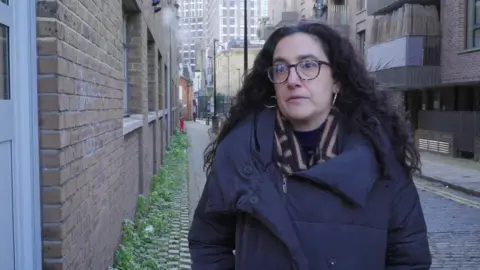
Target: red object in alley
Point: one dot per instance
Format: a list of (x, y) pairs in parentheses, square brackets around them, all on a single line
[(182, 124)]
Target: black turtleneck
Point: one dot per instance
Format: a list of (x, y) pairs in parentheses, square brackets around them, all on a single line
[(309, 140)]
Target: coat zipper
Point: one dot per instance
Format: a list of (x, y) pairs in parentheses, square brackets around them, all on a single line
[(284, 184)]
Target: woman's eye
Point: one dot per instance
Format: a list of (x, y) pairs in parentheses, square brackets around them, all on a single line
[(280, 69), (308, 64)]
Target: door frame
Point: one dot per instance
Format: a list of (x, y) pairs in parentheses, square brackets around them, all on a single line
[(26, 169)]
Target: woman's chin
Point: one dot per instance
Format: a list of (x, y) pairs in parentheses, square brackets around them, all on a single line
[(298, 115)]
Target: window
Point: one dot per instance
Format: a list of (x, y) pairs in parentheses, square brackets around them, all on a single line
[(361, 42), (473, 24), (125, 65), (361, 5)]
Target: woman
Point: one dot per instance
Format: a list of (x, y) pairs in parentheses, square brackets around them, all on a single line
[(312, 169)]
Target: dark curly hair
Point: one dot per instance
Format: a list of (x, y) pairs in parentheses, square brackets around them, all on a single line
[(363, 105)]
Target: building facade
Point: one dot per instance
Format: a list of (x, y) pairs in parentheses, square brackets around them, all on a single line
[(90, 91), (427, 53), (230, 69), (263, 9), (192, 30), (186, 93), (335, 13), (225, 20)]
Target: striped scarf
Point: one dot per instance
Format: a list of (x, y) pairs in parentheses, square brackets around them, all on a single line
[(288, 154)]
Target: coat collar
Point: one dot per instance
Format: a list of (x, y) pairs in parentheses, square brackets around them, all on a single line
[(351, 174)]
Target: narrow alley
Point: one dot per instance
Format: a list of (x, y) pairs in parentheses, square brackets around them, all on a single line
[(453, 218), (199, 139)]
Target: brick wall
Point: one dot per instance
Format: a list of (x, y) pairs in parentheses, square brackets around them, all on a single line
[(187, 99), (457, 64), (94, 161)]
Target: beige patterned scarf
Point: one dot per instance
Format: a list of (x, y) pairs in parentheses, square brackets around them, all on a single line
[(288, 154)]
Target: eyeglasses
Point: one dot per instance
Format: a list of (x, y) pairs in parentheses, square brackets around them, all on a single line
[(306, 70)]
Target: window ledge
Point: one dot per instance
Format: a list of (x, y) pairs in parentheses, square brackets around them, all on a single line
[(130, 124), (135, 121), (360, 11), (469, 50)]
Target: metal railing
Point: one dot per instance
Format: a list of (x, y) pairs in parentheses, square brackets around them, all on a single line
[(337, 15)]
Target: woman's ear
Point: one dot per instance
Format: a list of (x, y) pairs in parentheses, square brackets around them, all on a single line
[(336, 88)]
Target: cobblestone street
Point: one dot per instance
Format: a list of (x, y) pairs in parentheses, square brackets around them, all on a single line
[(453, 218), (453, 221)]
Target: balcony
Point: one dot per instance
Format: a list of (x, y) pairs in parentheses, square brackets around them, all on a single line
[(335, 14), (406, 62), (337, 18), (404, 50), (382, 7)]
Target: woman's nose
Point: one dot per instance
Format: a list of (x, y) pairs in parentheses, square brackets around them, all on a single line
[(293, 78)]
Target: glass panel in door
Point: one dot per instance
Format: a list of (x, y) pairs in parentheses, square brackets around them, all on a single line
[(4, 63)]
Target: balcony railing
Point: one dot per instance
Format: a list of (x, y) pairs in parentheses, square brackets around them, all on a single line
[(381, 7), (407, 62), (407, 51), (405, 47), (337, 15)]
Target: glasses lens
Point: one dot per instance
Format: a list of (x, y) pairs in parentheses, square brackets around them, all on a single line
[(278, 73), (308, 69)]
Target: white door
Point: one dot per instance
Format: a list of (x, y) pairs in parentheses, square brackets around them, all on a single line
[(7, 257), (20, 222)]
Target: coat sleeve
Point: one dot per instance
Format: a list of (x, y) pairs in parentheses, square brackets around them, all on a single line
[(407, 236), (212, 233)]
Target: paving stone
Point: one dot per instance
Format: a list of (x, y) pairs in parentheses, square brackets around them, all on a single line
[(454, 231), (461, 174)]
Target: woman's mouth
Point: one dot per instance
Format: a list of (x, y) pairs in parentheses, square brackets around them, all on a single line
[(295, 98)]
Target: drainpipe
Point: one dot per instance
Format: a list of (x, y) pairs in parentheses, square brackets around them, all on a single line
[(169, 82)]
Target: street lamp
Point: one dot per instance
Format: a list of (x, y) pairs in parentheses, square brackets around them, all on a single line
[(214, 117), (245, 34), (227, 54), (238, 79)]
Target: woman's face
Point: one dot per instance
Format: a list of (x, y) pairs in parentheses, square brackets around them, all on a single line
[(303, 97)]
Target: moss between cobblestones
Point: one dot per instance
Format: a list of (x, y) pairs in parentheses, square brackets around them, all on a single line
[(147, 241)]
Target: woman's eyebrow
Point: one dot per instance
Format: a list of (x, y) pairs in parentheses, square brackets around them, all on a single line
[(299, 58), (279, 59), (307, 56)]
